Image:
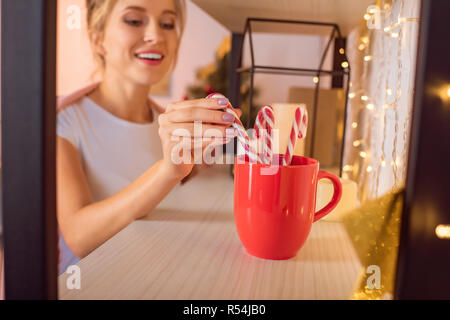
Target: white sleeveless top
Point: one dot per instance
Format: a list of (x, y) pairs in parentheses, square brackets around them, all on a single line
[(113, 152)]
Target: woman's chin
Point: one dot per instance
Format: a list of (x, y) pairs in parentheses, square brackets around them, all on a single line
[(146, 80)]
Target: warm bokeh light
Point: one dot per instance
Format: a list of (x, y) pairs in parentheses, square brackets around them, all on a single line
[(357, 143), (443, 231), (347, 167)]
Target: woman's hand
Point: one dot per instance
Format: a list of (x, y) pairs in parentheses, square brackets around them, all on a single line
[(186, 128)]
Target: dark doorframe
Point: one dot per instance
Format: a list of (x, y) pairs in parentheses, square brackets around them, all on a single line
[(28, 148), (337, 80), (234, 81), (424, 259)]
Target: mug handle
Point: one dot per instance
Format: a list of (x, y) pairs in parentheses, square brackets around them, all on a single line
[(337, 194)]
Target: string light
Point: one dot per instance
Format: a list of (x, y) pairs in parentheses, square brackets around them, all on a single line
[(391, 27), (347, 167), (404, 19), (443, 231), (394, 31), (357, 143), (341, 51), (316, 79), (344, 64)]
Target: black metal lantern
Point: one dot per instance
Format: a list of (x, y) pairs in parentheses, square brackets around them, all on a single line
[(340, 70)]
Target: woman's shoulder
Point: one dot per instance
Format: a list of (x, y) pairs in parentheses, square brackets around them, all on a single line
[(72, 99)]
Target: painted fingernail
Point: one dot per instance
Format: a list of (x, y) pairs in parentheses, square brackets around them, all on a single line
[(227, 117), (230, 131), (222, 102)]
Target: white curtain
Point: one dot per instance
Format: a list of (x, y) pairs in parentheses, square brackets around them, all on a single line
[(382, 55)]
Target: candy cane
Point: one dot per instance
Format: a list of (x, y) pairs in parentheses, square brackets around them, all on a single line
[(241, 133), (264, 124), (299, 128)]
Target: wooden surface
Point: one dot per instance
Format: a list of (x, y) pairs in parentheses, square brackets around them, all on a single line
[(188, 248)]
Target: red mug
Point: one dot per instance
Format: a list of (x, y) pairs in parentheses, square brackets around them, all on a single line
[(274, 206)]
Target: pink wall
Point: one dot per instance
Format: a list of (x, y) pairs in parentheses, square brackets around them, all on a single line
[(74, 58), (285, 50)]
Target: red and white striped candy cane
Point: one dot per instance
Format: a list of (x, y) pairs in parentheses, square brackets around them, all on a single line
[(263, 132), (241, 133), (299, 128)]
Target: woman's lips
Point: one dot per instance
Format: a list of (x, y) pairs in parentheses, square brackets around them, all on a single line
[(150, 62), (151, 58)]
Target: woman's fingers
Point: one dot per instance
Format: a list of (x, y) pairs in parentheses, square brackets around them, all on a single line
[(201, 147), (198, 114), (219, 103), (197, 130), (200, 143)]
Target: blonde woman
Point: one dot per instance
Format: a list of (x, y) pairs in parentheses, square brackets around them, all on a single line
[(114, 144)]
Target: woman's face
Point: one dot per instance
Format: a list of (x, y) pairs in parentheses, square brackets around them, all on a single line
[(140, 39)]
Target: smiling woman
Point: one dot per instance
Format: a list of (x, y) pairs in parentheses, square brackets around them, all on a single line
[(166, 19), (114, 161)]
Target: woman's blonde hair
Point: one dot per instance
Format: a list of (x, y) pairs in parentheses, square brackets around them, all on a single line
[(98, 12)]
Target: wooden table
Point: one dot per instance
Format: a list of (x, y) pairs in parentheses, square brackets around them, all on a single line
[(188, 248)]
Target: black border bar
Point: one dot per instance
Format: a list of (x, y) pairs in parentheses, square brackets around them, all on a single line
[(28, 148), (424, 259)]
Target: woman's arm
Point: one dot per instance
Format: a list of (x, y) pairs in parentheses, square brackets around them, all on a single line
[(87, 225)]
